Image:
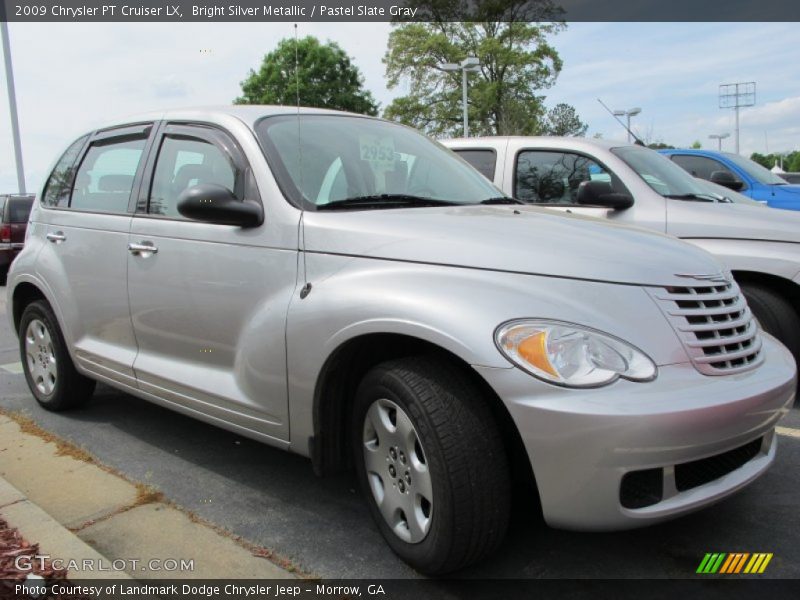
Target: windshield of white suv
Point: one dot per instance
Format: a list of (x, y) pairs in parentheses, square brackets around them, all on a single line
[(755, 170), (327, 162), (663, 175)]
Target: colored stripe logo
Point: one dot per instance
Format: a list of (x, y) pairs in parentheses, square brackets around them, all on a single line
[(734, 563)]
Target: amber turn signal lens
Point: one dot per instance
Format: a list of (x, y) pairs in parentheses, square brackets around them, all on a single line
[(534, 350)]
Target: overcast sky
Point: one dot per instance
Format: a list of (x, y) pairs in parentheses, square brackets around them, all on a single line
[(71, 77)]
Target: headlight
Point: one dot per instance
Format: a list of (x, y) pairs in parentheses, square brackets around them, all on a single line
[(571, 355)]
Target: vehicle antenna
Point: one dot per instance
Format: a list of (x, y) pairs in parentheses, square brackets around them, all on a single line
[(639, 142), (301, 229)]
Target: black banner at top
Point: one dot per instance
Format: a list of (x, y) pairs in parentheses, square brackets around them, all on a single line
[(399, 10)]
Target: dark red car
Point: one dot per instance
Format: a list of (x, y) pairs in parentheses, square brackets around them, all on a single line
[(14, 211)]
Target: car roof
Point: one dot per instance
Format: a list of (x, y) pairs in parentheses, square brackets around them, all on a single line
[(247, 113), (695, 152), (542, 140)]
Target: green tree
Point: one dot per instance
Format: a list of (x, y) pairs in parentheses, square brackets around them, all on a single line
[(761, 159), (563, 119), (325, 77), (696, 145), (517, 62), (791, 160), (659, 146)]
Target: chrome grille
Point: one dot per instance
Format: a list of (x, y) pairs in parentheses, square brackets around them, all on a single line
[(715, 325)]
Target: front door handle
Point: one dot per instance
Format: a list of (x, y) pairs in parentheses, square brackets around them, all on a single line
[(56, 237), (143, 249)]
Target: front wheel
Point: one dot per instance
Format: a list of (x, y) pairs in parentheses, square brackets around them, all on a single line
[(775, 315), (431, 463), (49, 371)]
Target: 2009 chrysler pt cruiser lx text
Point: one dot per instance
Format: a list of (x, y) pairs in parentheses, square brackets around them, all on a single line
[(347, 289)]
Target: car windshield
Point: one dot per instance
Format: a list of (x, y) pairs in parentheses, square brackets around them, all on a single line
[(755, 170), (334, 161), (661, 174)]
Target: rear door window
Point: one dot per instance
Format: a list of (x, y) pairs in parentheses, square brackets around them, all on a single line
[(484, 160), (104, 180), (19, 209)]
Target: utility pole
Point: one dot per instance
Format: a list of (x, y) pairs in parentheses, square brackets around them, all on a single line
[(736, 96), (12, 107)]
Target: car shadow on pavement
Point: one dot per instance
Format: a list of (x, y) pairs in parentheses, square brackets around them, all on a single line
[(272, 498)]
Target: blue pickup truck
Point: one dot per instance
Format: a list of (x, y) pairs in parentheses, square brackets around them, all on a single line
[(739, 174)]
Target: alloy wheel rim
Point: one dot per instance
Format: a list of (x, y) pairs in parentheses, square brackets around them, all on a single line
[(397, 471), (41, 357)]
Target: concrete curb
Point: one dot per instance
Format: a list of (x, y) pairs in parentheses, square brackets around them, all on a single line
[(54, 540), (74, 508)]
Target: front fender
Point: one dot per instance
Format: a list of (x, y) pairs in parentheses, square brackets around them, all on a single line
[(454, 308)]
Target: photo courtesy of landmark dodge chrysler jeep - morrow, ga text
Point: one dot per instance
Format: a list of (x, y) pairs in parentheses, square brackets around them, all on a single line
[(347, 289), (632, 185)]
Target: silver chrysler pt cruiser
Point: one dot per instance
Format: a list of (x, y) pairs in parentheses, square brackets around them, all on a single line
[(345, 288)]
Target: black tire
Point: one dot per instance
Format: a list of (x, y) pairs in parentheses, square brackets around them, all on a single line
[(776, 316), (463, 451), (69, 388)]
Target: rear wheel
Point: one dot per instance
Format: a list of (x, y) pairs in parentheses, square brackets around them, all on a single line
[(49, 371), (431, 463)]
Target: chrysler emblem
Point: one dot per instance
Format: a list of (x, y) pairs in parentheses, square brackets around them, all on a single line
[(713, 278)]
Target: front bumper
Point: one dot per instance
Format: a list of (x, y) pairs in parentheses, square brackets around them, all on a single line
[(581, 443)]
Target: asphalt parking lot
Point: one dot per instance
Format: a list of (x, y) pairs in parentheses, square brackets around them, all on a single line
[(274, 500)]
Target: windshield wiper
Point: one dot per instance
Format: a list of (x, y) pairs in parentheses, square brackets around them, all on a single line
[(384, 201), (699, 197), (501, 200)]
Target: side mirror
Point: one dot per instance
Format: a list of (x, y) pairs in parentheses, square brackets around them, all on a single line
[(600, 193), (213, 203), (727, 179)]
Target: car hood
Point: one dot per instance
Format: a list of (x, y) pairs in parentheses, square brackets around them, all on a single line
[(732, 221), (517, 239), (789, 188)]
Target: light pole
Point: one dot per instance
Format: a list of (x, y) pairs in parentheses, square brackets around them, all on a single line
[(736, 96), (12, 106), (719, 137), (631, 112), (468, 65)]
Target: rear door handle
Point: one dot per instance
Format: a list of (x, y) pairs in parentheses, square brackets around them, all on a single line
[(56, 237), (143, 249)]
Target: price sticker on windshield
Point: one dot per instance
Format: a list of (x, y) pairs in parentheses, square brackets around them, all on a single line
[(378, 151)]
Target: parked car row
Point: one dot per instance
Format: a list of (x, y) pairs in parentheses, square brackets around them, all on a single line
[(633, 185), (345, 288)]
